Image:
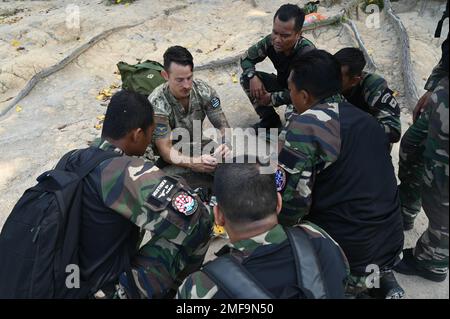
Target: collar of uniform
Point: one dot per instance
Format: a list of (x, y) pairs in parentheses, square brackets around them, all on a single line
[(337, 98), (298, 44), (106, 146), (276, 235), (173, 100), (357, 87)]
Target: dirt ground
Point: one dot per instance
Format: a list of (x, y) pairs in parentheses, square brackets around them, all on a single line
[(61, 112)]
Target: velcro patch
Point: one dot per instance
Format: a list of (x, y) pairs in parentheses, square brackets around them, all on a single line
[(388, 99), (215, 102), (287, 158), (163, 190)]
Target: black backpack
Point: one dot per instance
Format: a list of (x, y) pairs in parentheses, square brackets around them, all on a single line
[(40, 237), (237, 283)]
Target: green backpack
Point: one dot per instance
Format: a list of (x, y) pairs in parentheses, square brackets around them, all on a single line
[(142, 78)]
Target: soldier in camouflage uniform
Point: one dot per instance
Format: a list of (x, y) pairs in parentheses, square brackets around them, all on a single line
[(247, 206), (182, 103), (369, 92), (267, 91), (335, 171), (424, 176), (126, 195)]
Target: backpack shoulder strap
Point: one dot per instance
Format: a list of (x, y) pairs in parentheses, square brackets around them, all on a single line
[(234, 279), (309, 275), (61, 165), (96, 160)]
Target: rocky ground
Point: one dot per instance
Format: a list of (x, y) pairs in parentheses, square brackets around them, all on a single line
[(62, 112)]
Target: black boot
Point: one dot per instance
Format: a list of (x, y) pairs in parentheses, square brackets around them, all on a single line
[(269, 118), (389, 288), (410, 266)]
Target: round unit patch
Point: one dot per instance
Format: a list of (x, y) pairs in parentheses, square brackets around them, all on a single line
[(184, 203), (280, 179), (215, 102)]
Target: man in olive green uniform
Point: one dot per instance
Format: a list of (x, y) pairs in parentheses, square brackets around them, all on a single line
[(369, 92), (282, 46), (247, 206), (424, 177), (126, 195)]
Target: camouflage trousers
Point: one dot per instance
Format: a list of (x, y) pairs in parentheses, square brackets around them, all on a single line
[(269, 117), (380, 285), (424, 178)]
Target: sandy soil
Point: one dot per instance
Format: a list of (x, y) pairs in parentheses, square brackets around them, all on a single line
[(61, 112)]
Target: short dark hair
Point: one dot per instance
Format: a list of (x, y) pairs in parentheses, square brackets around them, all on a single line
[(179, 55), (353, 58), (291, 11), (243, 193), (318, 73), (127, 111)]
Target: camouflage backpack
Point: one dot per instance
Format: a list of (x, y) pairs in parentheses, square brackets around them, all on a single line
[(142, 78)]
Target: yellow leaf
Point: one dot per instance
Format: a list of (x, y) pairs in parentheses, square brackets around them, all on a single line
[(127, 4), (15, 43), (234, 78), (18, 108), (98, 126), (218, 230), (395, 93), (100, 97), (106, 92), (118, 1), (100, 117)]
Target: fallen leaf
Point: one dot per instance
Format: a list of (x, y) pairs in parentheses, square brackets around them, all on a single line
[(218, 230), (100, 97), (395, 93), (15, 43), (18, 108), (234, 78), (98, 126), (100, 117)]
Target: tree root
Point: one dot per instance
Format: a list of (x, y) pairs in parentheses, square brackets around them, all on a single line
[(411, 92), (72, 56)]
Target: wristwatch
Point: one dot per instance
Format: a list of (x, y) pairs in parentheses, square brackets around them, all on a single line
[(250, 74)]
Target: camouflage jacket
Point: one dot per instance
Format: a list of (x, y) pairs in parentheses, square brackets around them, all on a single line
[(264, 48), (372, 95), (314, 138), (170, 114), (143, 194), (199, 286), (439, 71)]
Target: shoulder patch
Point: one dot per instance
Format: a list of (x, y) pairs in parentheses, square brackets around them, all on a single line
[(215, 102), (280, 178), (184, 203), (161, 129)]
